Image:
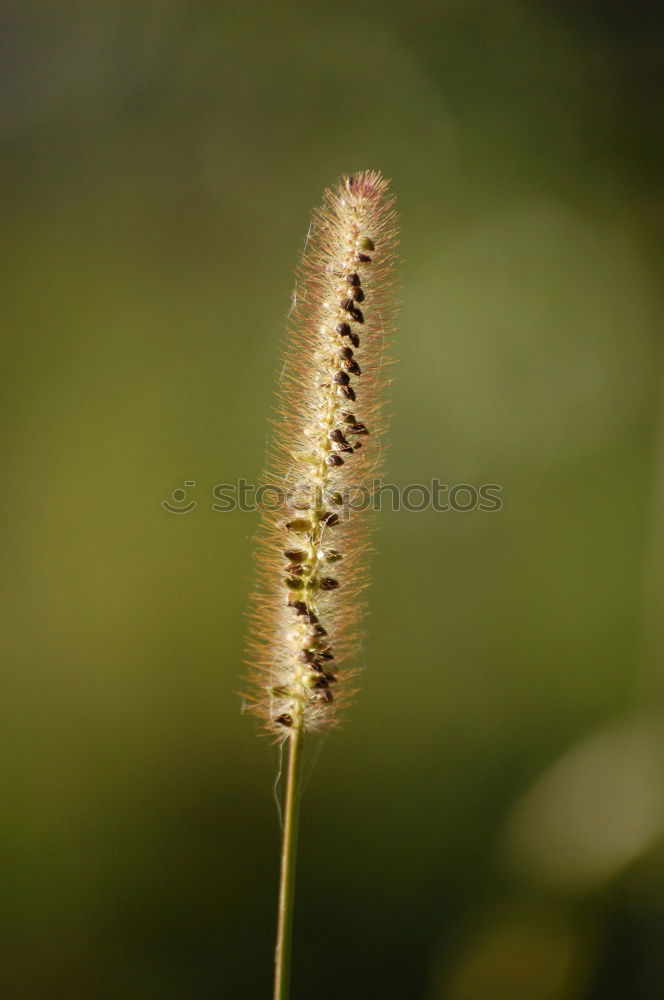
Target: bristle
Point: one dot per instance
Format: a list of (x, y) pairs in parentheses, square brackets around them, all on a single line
[(312, 566)]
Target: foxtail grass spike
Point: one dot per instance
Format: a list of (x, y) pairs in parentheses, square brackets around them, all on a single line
[(326, 452)]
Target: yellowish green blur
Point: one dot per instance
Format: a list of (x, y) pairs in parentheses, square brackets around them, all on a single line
[(488, 824)]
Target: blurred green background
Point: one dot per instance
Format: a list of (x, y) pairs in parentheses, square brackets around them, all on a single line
[(488, 824)]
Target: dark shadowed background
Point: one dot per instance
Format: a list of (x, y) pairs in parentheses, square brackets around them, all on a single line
[(488, 825)]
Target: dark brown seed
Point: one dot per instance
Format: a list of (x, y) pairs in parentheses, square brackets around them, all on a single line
[(334, 460), (341, 378), (326, 654), (364, 258), (353, 368), (319, 630), (355, 340), (350, 418), (326, 696), (285, 720), (295, 569), (336, 435), (357, 445), (349, 393), (357, 314), (321, 682), (329, 519), (330, 678), (301, 608), (306, 656), (347, 305), (353, 279), (358, 295), (358, 428), (333, 556), (346, 353), (343, 329), (328, 583), (295, 555)]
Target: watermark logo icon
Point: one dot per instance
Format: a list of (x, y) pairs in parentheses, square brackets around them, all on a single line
[(178, 503)]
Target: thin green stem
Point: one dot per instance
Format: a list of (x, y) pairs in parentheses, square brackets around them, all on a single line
[(282, 957)]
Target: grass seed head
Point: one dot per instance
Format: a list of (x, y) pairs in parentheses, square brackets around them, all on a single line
[(326, 449)]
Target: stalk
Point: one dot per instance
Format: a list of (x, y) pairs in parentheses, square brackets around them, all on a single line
[(282, 956)]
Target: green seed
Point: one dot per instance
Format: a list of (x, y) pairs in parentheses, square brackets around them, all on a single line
[(299, 525), (366, 243)]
